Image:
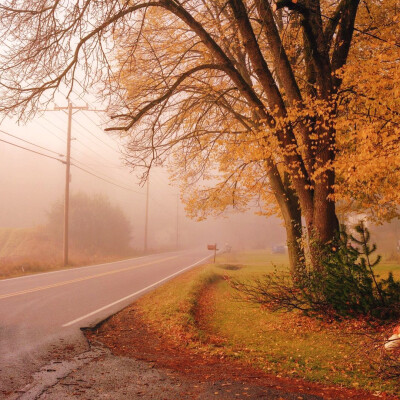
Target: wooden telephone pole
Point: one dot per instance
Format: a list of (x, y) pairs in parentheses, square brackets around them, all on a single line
[(177, 221), (146, 222), (70, 108)]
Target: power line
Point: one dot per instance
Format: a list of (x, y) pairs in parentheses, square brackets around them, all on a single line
[(43, 148), (123, 100), (94, 161), (75, 165), (96, 137), (49, 131), (97, 126), (90, 148), (33, 144), (32, 151), (94, 123), (97, 153), (90, 104), (83, 144), (106, 180), (55, 126), (97, 172), (98, 112), (99, 164)]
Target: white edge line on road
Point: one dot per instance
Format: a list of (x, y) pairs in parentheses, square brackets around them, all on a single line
[(133, 294), (88, 266)]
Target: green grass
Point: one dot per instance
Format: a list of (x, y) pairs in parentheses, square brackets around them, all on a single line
[(284, 344), (172, 307), (384, 267), (313, 352)]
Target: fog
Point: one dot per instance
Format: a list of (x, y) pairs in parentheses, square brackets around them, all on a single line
[(31, 183)]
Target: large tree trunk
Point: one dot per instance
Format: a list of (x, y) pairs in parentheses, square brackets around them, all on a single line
[(291, 213), (292, 219), (325, 221), (293, 225), (324, 225)]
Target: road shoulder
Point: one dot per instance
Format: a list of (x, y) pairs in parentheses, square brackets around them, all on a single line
[(199, 376)]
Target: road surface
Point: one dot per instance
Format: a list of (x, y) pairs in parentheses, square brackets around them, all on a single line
[(41, 315)]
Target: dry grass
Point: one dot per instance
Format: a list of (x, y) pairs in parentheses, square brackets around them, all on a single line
[(32, 250)]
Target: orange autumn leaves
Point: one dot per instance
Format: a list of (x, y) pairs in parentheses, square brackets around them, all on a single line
[(368, 157), (208, 132)]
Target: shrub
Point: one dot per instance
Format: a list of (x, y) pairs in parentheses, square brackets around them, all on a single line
[(344, 284), (95, 225)]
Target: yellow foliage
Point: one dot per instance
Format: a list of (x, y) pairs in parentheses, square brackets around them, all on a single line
[(216, 143)]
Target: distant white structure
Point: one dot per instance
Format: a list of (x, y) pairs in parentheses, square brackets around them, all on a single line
[(393, 342)]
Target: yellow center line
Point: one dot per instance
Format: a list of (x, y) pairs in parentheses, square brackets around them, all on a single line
[(39, 288)]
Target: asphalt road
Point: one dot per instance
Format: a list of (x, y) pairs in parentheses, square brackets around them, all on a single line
[(41, 315)]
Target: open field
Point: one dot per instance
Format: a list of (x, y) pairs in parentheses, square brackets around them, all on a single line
[(201, 309), (28, 251)]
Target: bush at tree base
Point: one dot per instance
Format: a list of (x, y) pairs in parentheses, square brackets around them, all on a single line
[(344, 284)]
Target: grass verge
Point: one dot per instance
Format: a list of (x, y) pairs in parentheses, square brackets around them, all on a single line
[(287, 345)]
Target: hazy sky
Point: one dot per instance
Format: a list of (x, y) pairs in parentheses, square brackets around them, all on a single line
[(31, 183)]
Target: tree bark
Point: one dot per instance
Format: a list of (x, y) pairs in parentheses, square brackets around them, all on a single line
[(294, 239), (291, 214)]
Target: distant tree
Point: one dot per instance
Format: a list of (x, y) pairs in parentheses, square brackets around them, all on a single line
[(95, 225)]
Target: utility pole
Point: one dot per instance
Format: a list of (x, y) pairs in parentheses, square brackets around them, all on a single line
[(177, 221), (67, 182), (146, 222), (70, 107)]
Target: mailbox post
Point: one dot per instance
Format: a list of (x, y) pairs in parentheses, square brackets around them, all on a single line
[(213, 247)]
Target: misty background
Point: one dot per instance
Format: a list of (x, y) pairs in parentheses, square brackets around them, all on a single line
[(32, 183)]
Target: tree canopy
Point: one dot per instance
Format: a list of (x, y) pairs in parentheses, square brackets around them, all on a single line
[(281, 101)]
